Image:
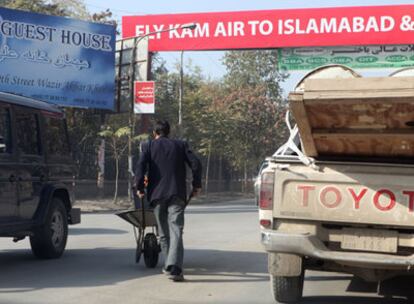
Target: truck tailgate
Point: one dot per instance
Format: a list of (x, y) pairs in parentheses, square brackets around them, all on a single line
[(351, 193)]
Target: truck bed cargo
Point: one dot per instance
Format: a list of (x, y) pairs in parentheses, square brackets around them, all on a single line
[(356, 117)]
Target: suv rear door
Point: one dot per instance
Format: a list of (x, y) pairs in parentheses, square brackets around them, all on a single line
[(8, 176), (31, 169), (59, 161)]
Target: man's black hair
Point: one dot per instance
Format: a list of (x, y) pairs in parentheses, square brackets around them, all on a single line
[(162, 128)]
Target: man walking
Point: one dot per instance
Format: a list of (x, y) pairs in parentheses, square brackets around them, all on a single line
[(165, 161)]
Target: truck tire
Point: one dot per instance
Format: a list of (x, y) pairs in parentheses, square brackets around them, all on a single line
[(49, 241), (287, 289)]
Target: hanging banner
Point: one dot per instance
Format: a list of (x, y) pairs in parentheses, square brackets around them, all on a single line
[(357, 57), (56, 59), (339, 26), (144, 97)]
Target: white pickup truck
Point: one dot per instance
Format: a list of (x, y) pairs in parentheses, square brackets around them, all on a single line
[(339, 195)]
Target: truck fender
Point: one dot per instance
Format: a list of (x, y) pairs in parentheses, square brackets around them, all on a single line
[(284, 264)]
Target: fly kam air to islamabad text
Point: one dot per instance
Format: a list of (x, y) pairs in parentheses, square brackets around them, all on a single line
[(374, 24)]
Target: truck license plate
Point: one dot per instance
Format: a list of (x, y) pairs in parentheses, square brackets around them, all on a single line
[(370, 240)]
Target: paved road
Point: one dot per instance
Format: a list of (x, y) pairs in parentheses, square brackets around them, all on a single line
[(224, 263)]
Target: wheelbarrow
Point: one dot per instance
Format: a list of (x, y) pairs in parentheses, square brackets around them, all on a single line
[(147, 243)]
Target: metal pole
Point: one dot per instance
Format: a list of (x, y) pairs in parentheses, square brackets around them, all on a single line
[(131, 120), (180, 97)]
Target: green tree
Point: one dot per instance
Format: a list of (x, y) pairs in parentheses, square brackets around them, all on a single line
[(37, 6), (166, 106), (83, 127), (68, 8), (72, 8), (252, 69), (116, 139), (254, 107)]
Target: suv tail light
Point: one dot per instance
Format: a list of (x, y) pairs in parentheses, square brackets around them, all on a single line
[(266, 191)]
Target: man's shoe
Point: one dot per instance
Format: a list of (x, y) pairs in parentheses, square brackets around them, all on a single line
[(176, 274), (167, 270)]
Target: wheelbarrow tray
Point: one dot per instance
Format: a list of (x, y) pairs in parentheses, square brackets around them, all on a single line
[(135, 217)]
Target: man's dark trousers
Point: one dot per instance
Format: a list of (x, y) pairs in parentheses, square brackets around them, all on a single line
[(169, 214)]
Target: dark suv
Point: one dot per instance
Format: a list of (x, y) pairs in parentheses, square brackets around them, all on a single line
[(36, 175)]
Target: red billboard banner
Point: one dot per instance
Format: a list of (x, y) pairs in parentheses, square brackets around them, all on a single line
[(144, 97), (340, 26)]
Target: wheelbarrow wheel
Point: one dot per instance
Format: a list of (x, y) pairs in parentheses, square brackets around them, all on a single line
[(151, 250)]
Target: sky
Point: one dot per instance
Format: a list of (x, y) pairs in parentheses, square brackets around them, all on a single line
[(210, 61)]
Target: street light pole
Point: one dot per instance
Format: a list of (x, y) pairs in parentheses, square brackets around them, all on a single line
[(180, 97), (131, 74)]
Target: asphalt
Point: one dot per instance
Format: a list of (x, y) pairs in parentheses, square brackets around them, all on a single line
[(224, 263)]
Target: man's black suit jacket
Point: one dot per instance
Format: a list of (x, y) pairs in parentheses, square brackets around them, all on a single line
[(164, 161)]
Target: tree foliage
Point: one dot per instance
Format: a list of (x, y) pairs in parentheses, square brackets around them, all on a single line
[(68, 8), (252, 69), (117, 143), (72, 8), (255, 105)]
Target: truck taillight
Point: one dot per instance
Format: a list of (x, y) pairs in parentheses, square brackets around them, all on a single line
[(266, 223), (266, 191)]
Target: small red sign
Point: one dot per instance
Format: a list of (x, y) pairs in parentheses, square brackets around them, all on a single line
[(144, 96)]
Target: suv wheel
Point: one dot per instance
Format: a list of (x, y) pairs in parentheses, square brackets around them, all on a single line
[(49, 241)]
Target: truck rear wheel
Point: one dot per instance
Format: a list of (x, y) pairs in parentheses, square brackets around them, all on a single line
[(287, 289), (49, 241)]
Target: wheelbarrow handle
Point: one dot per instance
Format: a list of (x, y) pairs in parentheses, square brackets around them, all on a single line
[(143, 212), (189, 199)]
